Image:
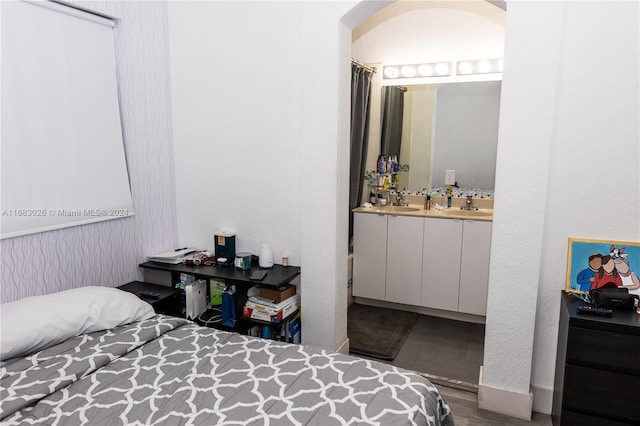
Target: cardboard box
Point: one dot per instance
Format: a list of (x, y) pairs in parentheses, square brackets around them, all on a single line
[(278, 294)]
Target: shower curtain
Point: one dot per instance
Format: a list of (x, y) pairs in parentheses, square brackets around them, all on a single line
[(392, 113), (360, 99)]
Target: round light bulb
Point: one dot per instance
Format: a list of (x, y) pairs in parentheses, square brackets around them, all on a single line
[(464, 67), (442, 68), (391, 72), (484, 66), (425, 70), (408, 71)]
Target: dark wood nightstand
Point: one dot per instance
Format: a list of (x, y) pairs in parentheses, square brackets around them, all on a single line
[(167, 302), (597, 368)]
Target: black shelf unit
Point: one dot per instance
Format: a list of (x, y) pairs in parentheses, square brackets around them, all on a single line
[(276, 276), (167, 302)]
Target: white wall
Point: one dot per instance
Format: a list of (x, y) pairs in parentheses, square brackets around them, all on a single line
[(430, 31), (108, 253), (260, 124), (237, 129), (596, 136), (568, 166)]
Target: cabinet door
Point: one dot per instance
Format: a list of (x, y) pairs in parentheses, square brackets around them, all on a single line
[(474, 267), (369, 255), (404, 259), (441, 263)]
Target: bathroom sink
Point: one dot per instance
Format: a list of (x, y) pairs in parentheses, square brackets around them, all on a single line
[(466, 214), (477, 213), (398, 209)]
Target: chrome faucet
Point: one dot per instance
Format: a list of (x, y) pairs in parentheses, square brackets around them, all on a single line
[(400, 199), (468, 205)]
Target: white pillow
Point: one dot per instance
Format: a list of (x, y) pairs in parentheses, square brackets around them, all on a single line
[(35, 323)]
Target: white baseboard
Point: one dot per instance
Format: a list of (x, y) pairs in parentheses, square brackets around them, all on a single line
[(344, 347), (503, 401), (542, 399)]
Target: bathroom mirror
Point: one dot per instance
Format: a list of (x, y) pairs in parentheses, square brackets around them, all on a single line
[(449, 126)]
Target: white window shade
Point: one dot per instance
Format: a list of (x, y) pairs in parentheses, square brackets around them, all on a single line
[(63, 160)]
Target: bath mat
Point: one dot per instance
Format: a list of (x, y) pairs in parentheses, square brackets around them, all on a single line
[(378, 332)]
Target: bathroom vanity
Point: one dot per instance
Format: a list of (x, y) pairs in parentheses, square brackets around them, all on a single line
[(435, 259)]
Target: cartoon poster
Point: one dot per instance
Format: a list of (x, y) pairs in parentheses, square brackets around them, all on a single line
[(593, 264)]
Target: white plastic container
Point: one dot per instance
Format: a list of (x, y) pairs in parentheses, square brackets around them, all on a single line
[(265, 259)]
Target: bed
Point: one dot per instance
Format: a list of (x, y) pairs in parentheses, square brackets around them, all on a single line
[(100, 356)]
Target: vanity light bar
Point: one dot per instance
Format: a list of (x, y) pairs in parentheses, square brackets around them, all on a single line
[(443, 69), (482, 66)]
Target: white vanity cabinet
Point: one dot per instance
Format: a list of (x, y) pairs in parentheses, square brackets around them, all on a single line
[(369, 255), (441, 263), (474, 267), (404, 259), (387, 257), (438, 263)]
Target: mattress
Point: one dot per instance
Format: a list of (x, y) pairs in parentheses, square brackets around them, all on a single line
[(167, 370)]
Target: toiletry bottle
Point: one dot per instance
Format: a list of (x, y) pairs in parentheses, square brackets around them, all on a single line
[(381, 164), (393, 164), (427, 202), (372, 198)]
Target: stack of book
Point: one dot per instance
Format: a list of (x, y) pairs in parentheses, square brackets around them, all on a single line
[(272, 304)]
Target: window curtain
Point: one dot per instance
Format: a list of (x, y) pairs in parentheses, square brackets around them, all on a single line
[(360, 106), (392, 112)]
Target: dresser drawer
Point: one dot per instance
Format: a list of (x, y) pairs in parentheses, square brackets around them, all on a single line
[(601, 393), (614, 351), (570, 418)]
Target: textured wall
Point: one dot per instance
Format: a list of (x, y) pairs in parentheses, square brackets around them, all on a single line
[(594, 180), (569, 136), (107, 253)]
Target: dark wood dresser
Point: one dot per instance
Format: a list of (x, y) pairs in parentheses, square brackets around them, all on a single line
[(597, 367)]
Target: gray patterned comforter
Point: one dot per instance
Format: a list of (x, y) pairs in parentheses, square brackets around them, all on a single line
[(169, 371)]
